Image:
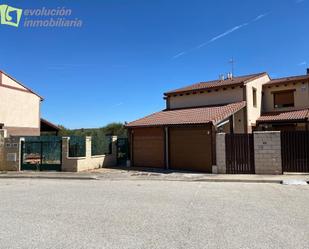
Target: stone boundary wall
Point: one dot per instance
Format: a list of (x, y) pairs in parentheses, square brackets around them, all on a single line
[(267, 153), (220, 154), (10, 154)]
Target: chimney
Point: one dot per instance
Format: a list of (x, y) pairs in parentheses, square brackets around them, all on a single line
[(221, 77), (307, 71)]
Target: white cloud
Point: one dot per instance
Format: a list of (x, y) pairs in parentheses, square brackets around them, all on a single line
[(299, 1), (178, 55), (259, 17), (304, 63), (222, 35), (226, 33)]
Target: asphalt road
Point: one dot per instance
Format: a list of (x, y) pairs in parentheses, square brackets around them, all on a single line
[(152, 214)]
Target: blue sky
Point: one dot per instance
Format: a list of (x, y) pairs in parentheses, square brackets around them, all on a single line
[(128, 52)]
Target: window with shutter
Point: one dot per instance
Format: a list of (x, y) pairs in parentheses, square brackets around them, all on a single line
[(283, 99)]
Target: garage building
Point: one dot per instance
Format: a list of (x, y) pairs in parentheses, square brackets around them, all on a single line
[(181, 139)]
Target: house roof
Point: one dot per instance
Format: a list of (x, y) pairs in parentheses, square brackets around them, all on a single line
[(217, 84), (200, 115), (298, 115), (48, 126), (285, 80), (27, 88)]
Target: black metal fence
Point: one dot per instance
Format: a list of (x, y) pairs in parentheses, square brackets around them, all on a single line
[(77, 146), (295, 151), (101, 145), (41, 153), (239, 154), (122, 150)]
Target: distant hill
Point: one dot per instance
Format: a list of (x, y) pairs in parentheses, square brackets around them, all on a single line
[(116, 129)]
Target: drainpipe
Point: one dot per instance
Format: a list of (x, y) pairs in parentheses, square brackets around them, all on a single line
[(166, 147)]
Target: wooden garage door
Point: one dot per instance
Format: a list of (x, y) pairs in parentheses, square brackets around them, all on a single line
[(190, 149), (148, 147)]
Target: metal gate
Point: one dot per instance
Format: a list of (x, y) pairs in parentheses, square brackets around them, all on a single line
[(122, 151), (295, 151), (41, 153), (239, 154)]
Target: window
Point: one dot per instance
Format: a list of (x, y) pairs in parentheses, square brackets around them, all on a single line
[(284, 99), (254, 96)]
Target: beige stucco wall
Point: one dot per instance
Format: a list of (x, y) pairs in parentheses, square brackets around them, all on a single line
[(89, 162), (239, 126), (18, 109), (10, 82), (207, 98), (301, 96), (239, 119), (253, 113)]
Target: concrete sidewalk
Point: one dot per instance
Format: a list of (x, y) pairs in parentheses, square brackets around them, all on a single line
[(117, 174)]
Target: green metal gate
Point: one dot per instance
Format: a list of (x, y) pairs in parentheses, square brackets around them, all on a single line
[(41, 153), (122, 151)]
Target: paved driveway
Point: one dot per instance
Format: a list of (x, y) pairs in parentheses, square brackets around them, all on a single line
[(153, 214)]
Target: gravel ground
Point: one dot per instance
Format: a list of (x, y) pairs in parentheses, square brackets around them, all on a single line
[(152, 214)]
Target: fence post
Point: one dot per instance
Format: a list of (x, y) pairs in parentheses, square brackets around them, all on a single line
[(88, 146), (267, 152), (66, 164), (221, 153), (1, 149), (114, 150)]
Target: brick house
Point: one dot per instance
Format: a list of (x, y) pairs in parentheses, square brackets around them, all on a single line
[(20, 109), (183, 135)]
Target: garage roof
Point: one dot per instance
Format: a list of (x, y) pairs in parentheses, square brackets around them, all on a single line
[(200, 115), (298, 115)]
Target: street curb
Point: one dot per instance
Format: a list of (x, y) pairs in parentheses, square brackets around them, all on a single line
[(49, 177), (238, 180), (3, 176), (194, 180)]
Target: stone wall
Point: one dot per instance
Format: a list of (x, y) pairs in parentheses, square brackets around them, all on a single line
[(267, 147), (220, 153), (267, 153), (76, 164), (9, 153)]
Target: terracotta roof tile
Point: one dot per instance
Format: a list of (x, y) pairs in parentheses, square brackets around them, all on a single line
[(288, 80), (216, 83), (201, 115), (297, 115)]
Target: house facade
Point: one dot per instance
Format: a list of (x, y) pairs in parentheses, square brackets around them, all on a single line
[(20, 109), (285, 104), (182, 136)]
